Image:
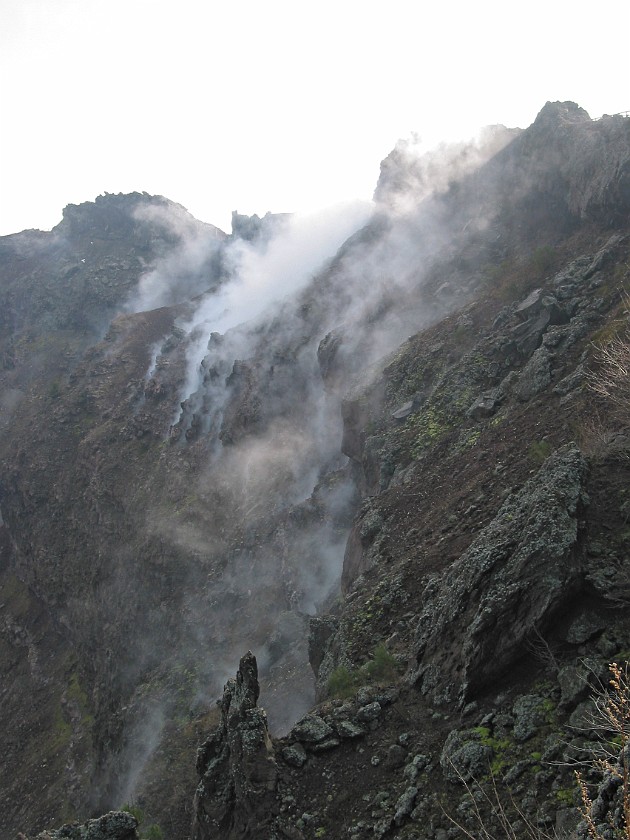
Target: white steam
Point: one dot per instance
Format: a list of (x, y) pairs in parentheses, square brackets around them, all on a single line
[(282, 477), (266, 272), (183, 271)]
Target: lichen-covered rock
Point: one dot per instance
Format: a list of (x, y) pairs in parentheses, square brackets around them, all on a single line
[(349, 729), (370, 712), (577, 680), (311, 729), (405, 804), (529, 715), (295, 755), (535, 376), (519, 571), (116, 825), (464, 757), (584, 627), (235, 797), (607, 807)]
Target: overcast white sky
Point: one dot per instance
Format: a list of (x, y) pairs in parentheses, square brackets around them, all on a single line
[(277, 105)]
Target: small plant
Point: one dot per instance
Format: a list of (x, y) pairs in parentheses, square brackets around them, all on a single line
[(613, 715), (134, 810), (54, 390), (540, 648), (342, 682), (544, 260), (611, 380), (383, 667), (539, 451), (566, 797), (149, 832)]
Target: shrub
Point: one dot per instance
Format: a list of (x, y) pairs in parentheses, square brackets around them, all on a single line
[(539, 451), (383, 667), (342, 682), (544, 260), (54, 390), (613, 716), (134, 810), (611, 379)]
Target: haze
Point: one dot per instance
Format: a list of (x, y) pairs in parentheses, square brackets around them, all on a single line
[(278, 106)]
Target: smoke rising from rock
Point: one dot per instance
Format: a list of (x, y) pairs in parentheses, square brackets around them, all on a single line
[(263, 402), (265, 271), (187, 269)]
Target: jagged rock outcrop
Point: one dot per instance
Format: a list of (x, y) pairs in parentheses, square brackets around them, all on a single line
[(508, 585), (236, 794), (117, 825)]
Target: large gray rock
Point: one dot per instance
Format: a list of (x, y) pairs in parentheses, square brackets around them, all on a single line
[(540, 312), (477, 616), (529, 714), (535, 376), (311, 729), (464, 757), (116, 825)]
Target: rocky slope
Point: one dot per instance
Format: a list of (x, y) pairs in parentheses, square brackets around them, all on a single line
[(415, 426)]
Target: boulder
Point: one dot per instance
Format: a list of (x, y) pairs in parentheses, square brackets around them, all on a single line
[(519, 572), (403, 411), (295, 755), (529, 715), (485, 405), (464, 757), (535, 376), (311, 729), (349, 729)]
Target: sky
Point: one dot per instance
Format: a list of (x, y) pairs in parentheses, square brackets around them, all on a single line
[(274, 105)]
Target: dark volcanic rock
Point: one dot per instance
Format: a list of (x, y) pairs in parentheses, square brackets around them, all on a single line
[(236, 793), (511, 580), (321, 628), (117, 825)]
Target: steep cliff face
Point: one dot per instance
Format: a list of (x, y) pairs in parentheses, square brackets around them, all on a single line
[(485, 576), (174, 494)]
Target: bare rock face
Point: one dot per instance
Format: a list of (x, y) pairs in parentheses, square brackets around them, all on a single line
[(514, 577), (236, 795)]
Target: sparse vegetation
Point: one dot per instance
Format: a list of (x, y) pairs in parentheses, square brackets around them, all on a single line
[(54, 390), (149, 832), (544, 260), (342, 682), (611, 378), (538, 451), (382, 667), (134, 810), (613, 716)]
